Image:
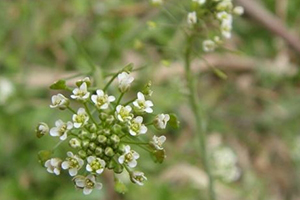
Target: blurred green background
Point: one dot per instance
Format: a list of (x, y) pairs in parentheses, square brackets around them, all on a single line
[(253, 114)]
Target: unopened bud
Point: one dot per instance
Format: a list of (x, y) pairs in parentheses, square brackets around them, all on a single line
[(41, 129)]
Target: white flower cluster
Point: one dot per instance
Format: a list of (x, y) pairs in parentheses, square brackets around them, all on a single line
[(222, 11), (102, 133), (224, 162)]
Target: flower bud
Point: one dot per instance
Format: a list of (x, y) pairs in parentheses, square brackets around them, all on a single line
[(111, 164), (102, 139), (115, 139), (147, 89), (117, 129), (85, 80), (93, 136), (109, 151), (83, 135), (92, 146), (99, 151), (85, 144), (161, 120), (106, 132), (159, 155), (92, 128), (89, 152), (75, 143), (110, 119), (41, 129), (118, 169), (103, 116), (82, 154)]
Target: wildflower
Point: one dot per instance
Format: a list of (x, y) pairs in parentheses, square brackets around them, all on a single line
[(157, 142), (87, 183), (136, 127), (81, 93), (73, 163), (161, 120), (138, 178), (102, 100), (41, 129), (142, 105), (129, 157), (81, 118), (224, 16), (201, 2), (157, 2), (61, 129), (75, 143), (224, 5), (95, 164), (125, 81), (192, 18), (238, 10), (208, 45), (59, 101), (53, 165), (226, 29), (123, 113)]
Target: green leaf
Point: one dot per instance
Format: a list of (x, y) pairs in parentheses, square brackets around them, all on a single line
[(174, 122), (220, 74), (59, 85)]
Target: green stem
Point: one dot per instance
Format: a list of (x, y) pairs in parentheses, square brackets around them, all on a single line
[(129, 102), (89, 113), (198, 114), (119, 99), (73, 111), (110, 81)]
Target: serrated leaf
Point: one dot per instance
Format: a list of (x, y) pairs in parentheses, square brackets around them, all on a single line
[(59, 85)]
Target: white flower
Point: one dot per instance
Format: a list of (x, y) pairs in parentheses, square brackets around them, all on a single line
[(238, 10), (209, 45), (123, 113), (81, 93), (61, 129), (224, 5), (59, 101), (138, 178), (136, 127), (53, 165), (224, 16), (75, 143), (102, 100), (73, 163), (161, 120), (157, 2), (142, 105), (192, 18), (125, 81), (129, 157), (42, 129), (226, 27), (6, 90), (86, 80), (201, 2), (87, 183), (157, 142), (81, 118), (95, 164)]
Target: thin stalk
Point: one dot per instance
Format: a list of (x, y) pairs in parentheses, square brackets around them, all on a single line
[(119, 99), (198, 114), (89, 113), (110, 81)]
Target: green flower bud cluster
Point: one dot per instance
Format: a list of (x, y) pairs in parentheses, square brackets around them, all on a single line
[(102, 132)]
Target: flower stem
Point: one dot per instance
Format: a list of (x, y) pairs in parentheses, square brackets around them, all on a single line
[(110, 81), (89, 113), (119, 99), (198, 114)]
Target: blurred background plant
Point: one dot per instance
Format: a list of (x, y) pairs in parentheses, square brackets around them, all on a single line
[(253, 114)]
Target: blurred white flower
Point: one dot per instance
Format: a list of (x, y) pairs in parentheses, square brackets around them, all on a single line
[(136, 127), (61, 129), (224, 16), (73, 163), (161, 120), (53, 165), (192, 18), (138, 178), (224, 5), (81, 93), (95, 164), (87, 183), (125, 81), (142, 105), (129, 157), (81, 118), (124, 114), (226, 27), (6, 90), (238, 10), (157, 142), (157, 2), (102, 100), (208, 45), (59, 101), (201, 2)]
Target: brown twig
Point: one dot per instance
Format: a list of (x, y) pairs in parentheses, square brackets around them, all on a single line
[(270, 22)]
